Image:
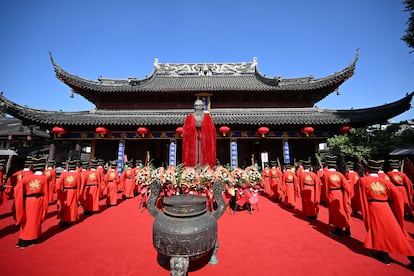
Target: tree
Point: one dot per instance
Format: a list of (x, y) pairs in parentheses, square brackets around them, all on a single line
[(361, 144), (408, 37)]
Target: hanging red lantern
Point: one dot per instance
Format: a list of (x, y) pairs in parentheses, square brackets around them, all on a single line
[(58, 130), (263, 131), (308, 130), (101, 130), (345, 129), (142, 131), (224, 130), (180, 131)]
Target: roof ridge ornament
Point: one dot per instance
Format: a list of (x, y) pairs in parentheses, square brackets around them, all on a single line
[(205, 69)]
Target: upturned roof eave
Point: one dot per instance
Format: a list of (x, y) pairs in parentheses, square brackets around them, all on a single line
[(235, 116), (149, 84)]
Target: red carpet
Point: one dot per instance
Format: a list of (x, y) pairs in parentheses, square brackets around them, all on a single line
[(118, 241)]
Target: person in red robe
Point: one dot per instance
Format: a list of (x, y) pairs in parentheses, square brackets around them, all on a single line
[(403, 184), (383, 214), (290, 186), (267, 181), (101, 171), (111, 182), (15, 178), (3, 195), (338, 193), (31, 202), (90, 189), (50, 172), (127, 181), (68, 191), (199, 138), (353, 179), (310, 186), (275, 181)]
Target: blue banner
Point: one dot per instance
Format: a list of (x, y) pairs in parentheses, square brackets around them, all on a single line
[(121, 150), (233, 154), (173, 153), (286, 154)]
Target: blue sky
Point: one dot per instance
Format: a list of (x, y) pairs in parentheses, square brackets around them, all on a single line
[(118, 39)]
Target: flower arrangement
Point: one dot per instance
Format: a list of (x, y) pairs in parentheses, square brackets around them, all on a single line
[(157, 173), (189, 177), (254, 175), (144, 176), (169, 176), (240, 177), (224, 175), (207, 176)]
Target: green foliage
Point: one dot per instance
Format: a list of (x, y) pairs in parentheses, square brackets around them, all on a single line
[(361, 144), (354, 145), (408, 37)]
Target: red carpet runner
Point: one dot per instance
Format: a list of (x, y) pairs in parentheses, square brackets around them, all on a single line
[(118, 241)]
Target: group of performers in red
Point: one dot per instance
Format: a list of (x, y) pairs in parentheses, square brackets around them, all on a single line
[(37, 186), (384, 199)]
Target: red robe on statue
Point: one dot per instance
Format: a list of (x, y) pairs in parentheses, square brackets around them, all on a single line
[(206, 139)]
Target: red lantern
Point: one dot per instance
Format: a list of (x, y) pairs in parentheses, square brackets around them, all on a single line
[(101, 130), (263, 131), (345, 129), (308, 130), (224, 130), (58, 130), (180, 131), (142, 131)]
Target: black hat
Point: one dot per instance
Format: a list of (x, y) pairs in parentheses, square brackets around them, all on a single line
[(2, 162), (375, 165), (350, 164), (306, 164), (330, 160), (51, 163), (29, 161), (394, 164), (94, 163), (85, 164), (72, 164), (287, 166), (39, 164), (273, 163)]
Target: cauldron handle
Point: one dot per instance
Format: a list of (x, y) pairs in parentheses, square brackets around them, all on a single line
[(218, 196), (155, 189)]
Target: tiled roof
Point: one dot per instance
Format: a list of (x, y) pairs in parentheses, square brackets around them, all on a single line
[(218, 78), (245, 116)]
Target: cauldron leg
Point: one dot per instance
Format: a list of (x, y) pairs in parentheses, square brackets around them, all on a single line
[(179, 266), (213, 258)]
